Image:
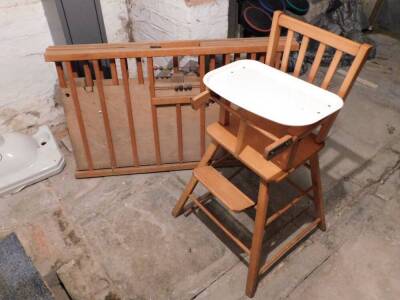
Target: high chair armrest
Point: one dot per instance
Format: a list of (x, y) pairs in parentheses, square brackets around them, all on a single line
[(200, 99), (279, 146)]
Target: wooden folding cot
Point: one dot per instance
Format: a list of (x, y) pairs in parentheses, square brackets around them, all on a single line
[(269, 149), (138, 121)]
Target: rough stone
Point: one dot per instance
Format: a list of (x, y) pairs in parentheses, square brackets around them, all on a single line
[(366, 265), (82, 279)]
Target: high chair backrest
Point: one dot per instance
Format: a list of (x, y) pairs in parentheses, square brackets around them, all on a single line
[(341, 46)]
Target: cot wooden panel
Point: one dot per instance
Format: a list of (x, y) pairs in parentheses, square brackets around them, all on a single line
[(135, 122)]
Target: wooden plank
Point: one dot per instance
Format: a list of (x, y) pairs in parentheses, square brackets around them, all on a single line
[(173, 48), (114, 73), (202, 112), (332, 69), (159, 101), (92, 54), (150, 75), (156, 134), (200, 99), (288, 246), (257, 239), (227, 58), (212, 62), (102, 98), (219, 224), (202, 129), (278, 60), (179, 131), (139, 68), (190, 186), (129, 111), (240, 137), (317, 191), (88, 74), (284, 209), (191, 133), (316, 63), (60, 74), (202, 71), (135, 170), (286, 52), (354, 70), (175, 61), (324, 36), (221, 188), (300, 58), (273, 40), (78, 112), (224, 116), (166, 43)]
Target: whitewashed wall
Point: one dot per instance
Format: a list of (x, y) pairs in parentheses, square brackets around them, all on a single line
[(27, 83), (176, 19), (116, 20)]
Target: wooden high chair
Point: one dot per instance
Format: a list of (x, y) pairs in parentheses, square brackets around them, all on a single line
[(272, 123)]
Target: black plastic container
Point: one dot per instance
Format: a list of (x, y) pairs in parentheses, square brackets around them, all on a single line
[(257, 20), (271, 5), (298, 7)]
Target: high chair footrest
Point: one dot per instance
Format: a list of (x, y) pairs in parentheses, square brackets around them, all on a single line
[(223, 189)]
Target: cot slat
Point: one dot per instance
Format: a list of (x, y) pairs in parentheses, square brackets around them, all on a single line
[(129, 111), (179, 131), (114, 73), (79, 117), (139, 67), (106, 120), (150, 75)]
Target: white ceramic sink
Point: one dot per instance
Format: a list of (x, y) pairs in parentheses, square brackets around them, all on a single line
[(28, 159)]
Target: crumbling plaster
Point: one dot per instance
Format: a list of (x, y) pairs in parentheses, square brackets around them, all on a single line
[(27, 83), (171, 19)]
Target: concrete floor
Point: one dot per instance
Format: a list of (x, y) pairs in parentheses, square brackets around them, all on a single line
[(114, 237)]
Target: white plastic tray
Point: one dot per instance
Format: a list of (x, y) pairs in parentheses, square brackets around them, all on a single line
[(272, 94)]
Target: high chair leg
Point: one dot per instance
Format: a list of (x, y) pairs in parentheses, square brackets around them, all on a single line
[(258, 235), (317, 190), (178, 209)]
